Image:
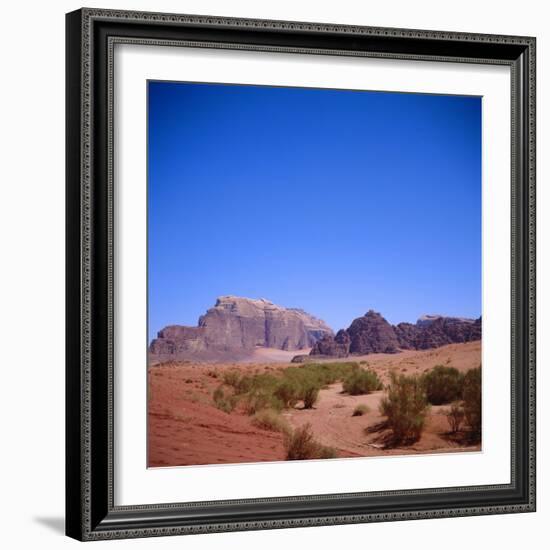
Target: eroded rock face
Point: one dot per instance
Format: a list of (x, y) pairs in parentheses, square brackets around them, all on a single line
[(237, 325), (406, 335), (373, 334), (439, 331), (175, 338), (337, 346)]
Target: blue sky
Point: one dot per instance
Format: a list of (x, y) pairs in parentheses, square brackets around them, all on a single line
[(334, 201)]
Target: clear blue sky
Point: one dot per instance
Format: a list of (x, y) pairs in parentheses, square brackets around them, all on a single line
[(333, 201)]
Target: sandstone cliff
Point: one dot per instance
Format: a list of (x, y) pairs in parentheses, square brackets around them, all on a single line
[(235, 326)]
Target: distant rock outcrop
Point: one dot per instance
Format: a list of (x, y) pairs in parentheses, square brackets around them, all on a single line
[(337, 346), (437, 332), (235, 326), (373, 334)]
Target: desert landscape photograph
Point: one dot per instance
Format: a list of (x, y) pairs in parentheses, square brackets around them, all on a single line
[(314, 274)]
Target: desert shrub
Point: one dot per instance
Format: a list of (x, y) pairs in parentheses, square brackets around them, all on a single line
[(326, 452), (360, 410), (219, 393), (340, 371), (301, 384), (285, 388), (258, 382), (263, 380), (361, 382), (325, 373), (443, 384), (301, 445), (288, 393), (268, 419), (223, 400), (310, 395), (405, 407), (231, 378), (240, 383), (243, 384), (301, 377), (455, 416), (259, 399), (472, 400)]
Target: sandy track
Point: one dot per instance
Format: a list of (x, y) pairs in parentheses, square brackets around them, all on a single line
[(332, 421), (333, 424)]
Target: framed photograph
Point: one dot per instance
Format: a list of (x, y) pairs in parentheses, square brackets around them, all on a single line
[(300, 274)]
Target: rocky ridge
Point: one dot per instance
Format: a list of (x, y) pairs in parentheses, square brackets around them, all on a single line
[(373, 334)]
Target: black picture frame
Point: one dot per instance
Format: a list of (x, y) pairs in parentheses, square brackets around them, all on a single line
[(90, 510)]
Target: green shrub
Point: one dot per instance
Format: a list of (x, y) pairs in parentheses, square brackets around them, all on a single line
[(472, 401), (268, 419), (259, 399), (224, 401), (288, 393), (361, 382), (324, 373), (405, 407), (301, 445), (244, 384), (231, 378), (300, 377), (455, 416), (219, 393), (283, 389), (258, 382), (310, 395), (443, 384), (360, 410)]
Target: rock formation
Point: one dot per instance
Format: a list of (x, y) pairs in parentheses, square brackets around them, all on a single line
[(337, 346), (439, 331), (373, 334), (236, 326)]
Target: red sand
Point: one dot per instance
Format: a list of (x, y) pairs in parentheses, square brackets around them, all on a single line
[(185, 427)]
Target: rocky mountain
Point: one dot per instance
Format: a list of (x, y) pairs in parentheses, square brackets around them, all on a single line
[(440, 331), (235, 326), (373, 334)]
